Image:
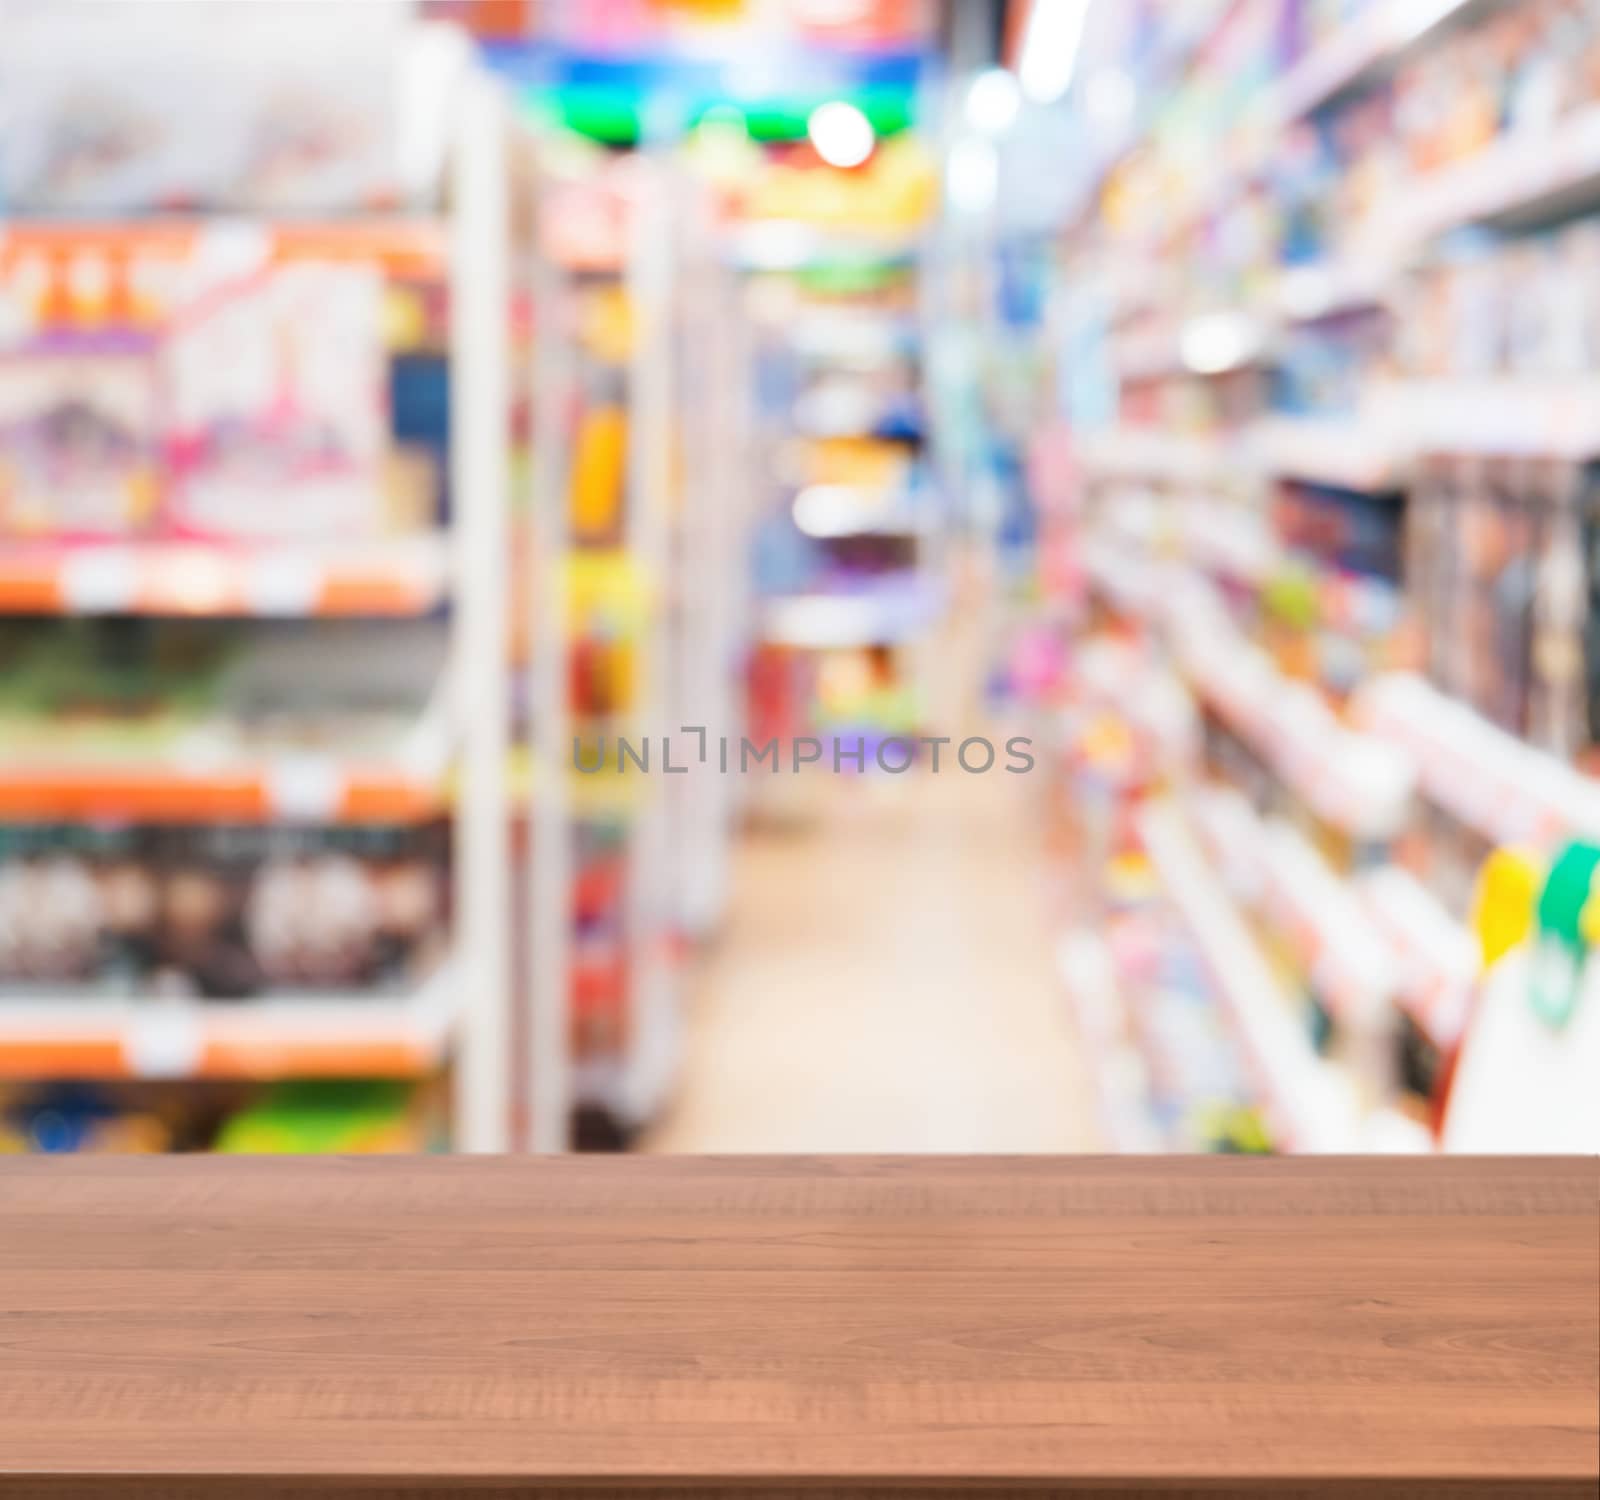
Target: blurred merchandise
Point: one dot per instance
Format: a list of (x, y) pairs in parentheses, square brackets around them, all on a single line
[(162, 381), (506, 508), (224, 912), (325, 1117), (1337, 477)]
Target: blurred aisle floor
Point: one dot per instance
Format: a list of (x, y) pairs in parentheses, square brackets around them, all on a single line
[(885, 982)]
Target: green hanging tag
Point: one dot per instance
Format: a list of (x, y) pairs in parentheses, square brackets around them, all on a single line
[(1561, 946)]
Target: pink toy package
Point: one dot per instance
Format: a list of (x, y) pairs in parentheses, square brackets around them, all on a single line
[(276, 394), (78, 444)]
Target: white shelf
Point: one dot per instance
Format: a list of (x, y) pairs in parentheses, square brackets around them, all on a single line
[(1439, 958), (381, 576), (301, 1035), (1270, 865), (1326, 289), (820, 621), (1345, 954), (1356, 782), (1353, 453), (1205, 344), (1151, 453), (1357, 52), (1117, 1071), (1495, 783), (1507, 415), (1522, 175), (1309, 1103), (187, 783)]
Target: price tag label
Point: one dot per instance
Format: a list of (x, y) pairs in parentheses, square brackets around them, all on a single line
[(305, 788), (166, 1041), (232, 248), (100, 581), (282, 584)]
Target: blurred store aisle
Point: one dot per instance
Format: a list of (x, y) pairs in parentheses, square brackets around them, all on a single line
[(885, 985), (885, 979)]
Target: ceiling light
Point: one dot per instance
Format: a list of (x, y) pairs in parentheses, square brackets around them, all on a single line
[(842, 135), (993, 101), (1050, 48), (1215, 343)]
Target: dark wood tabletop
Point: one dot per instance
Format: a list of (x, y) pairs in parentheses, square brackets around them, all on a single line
[(1385, 1326)]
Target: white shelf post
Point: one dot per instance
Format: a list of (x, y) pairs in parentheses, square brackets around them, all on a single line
[(549, 915), (480, 471)]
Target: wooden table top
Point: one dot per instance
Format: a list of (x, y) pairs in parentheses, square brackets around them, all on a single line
[(1285, 1327)]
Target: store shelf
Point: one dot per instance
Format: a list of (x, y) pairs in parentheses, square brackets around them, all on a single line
[(1507, 790), (1190, 27), (1327, 289), (1351, 454), (1118, 1073), (883, 617), (298, 788), (1355, 54), (1231, 541), (1356, 782), (1231, 833), (404, 247), (1206, 344), (1547, 418), (397, 576), (333, 1035), (852, 339), (1335, 940), (1439, 959), (1526, 176), (1308, 1102), (1130, 452), (1326, 919)]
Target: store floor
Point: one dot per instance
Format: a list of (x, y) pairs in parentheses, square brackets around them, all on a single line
[(885, 982)]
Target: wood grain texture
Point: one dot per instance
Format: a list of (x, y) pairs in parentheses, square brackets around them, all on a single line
[(1288, 1328)]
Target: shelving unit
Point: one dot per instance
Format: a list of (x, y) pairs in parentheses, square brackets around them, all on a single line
[(654, 571), (1317, 339), (446, 584)]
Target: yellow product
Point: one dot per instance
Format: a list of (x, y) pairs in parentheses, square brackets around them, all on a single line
[(607, 587), (894, 192), (1504, 901), (864, 463), (598, 471), (607, 328)]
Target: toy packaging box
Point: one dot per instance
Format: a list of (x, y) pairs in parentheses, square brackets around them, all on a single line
[(294, 108), (277, 403), (78, 444), (219, 393)]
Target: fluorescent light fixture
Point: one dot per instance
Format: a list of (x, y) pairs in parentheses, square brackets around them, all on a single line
[(1414, 19), (1050, 46), (842, 135), (1218, 342), (992, 101)]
